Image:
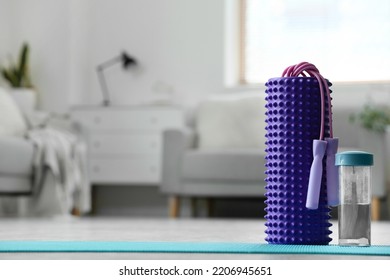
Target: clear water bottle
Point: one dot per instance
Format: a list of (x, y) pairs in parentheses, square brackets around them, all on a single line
[(355, 198)]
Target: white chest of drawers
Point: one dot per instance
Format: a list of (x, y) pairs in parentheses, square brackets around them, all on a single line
[(124, 143)]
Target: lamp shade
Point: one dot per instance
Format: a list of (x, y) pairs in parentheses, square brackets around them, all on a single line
[(127, 60)]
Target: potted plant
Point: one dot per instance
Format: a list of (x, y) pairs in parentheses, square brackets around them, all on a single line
[(372, 138), (373, 118), (18, 76)]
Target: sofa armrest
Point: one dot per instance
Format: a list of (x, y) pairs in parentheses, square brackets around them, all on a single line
[(8, 144), (175, 143), (16, 156)]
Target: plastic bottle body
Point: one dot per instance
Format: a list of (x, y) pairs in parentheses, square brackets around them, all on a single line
[(355, 205)]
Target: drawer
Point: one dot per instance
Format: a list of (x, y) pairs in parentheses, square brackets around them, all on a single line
[(110, 119), (124, 144), (143, 170)]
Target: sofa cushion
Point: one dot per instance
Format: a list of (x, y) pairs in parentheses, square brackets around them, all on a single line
[(232, 122), (222, 165), (16, 156), (12, 122)]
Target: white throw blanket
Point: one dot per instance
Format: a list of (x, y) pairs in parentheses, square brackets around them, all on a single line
[(60, 181), (60, 154)]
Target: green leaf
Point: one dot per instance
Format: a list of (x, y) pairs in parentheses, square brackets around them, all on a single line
[(374, 118), (10, 77), (18, 75)]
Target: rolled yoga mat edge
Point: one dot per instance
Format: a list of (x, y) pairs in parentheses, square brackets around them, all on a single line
[(186, 247)]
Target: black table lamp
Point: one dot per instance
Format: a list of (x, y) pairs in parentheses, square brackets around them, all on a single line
[(126, 60)]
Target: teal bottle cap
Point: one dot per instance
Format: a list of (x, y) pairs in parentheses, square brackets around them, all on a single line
[(354, 158)]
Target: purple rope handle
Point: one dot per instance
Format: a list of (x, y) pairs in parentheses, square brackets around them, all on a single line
[(300, 69), (319, 146)]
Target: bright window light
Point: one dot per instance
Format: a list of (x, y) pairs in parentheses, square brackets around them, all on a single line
[(348, 40)]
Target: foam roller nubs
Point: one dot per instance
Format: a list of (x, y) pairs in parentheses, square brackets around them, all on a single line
[(293, 121)]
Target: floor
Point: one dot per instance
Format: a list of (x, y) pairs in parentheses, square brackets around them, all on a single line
[(137, 229)]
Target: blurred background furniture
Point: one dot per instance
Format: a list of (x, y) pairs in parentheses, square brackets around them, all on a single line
[(15, 166), (16, 153), (124, 142), (28, 141), (222, 153)]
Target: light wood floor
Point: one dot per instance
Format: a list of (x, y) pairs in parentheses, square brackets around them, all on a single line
[(131, 229)]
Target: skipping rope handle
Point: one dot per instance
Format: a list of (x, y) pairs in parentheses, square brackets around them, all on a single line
[(320, 146), (313, 190)]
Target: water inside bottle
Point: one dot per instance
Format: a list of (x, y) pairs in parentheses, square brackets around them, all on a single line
[(354, 224)]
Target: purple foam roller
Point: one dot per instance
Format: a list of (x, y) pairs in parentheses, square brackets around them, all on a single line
[(294, 119)]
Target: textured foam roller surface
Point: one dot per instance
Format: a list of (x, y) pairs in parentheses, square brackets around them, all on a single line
[(293, 118)]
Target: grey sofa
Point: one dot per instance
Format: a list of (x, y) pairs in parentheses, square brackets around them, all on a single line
[(220, 155), (17, 172), (16, 162), (15, 166), (191, 172)]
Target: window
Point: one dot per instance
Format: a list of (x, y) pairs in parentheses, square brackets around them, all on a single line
[(348, 40)]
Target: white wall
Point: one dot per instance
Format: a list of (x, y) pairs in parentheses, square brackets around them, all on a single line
[(179, 45), (5, 19), (44, 25)]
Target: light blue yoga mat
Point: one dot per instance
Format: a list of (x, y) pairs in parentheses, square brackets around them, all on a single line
[(186, 247)]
